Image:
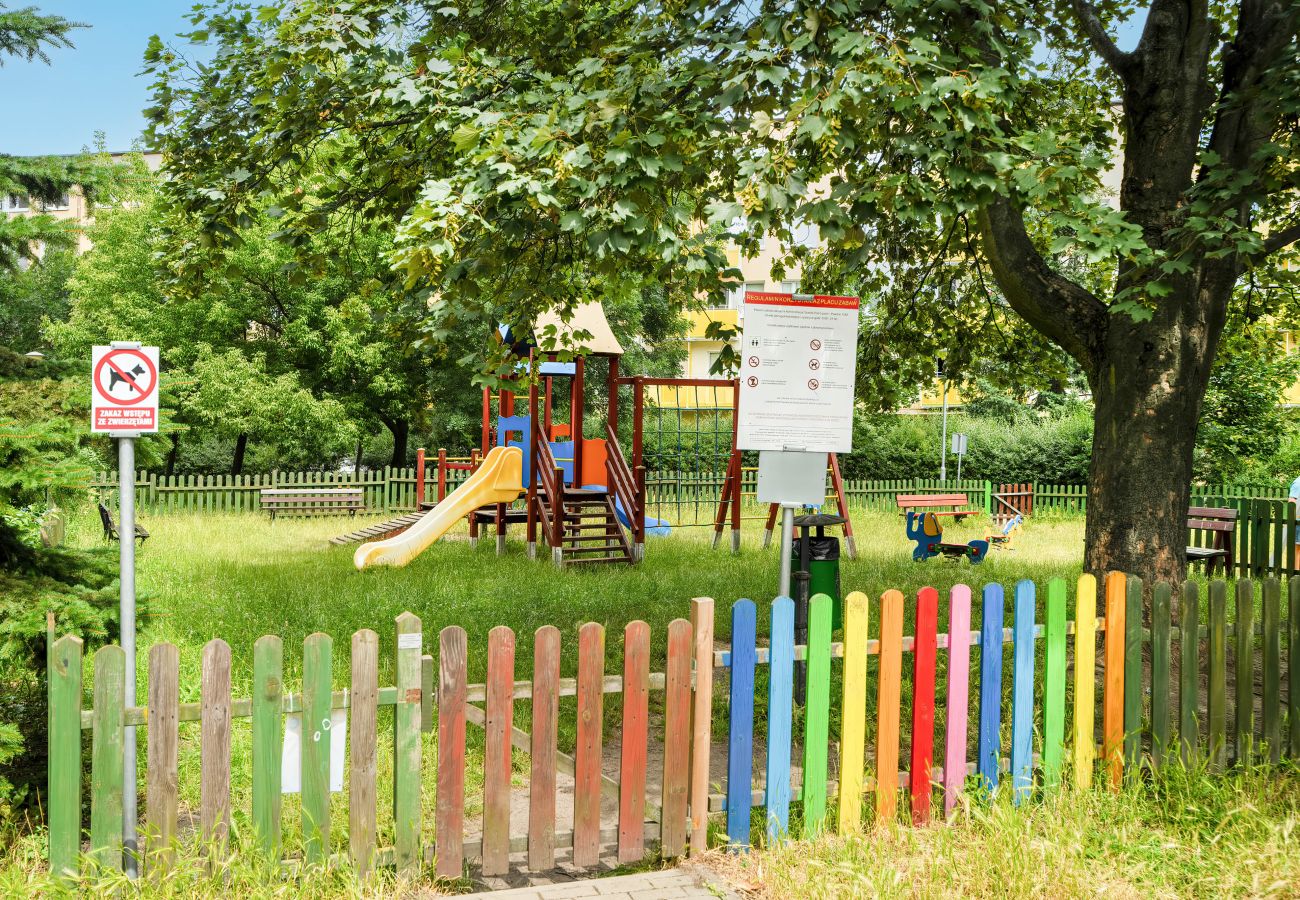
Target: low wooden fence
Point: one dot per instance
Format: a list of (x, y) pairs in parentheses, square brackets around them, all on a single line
[(681, 493), (1182, 690)]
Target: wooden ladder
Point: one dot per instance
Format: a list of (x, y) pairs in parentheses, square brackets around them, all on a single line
[(592, 533)]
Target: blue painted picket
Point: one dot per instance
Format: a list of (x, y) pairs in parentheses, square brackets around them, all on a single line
[(780, 708), (990, 739), (740, 755), (1022, 693)]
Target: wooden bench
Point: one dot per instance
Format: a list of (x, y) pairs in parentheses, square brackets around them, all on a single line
[(110, 526), (311, 501), (1221, 523), (931, 502)]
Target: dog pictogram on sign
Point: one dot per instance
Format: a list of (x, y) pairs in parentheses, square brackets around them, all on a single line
[(124, 389)]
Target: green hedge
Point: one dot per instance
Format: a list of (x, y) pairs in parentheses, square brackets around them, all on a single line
[(1049, 449)]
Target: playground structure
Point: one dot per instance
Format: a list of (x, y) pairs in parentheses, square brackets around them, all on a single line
[(584, 497), (924, 528)]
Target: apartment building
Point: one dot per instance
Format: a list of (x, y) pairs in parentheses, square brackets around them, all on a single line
[(72, 207)]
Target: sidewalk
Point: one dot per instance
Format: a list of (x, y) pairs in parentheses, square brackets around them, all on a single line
[(693, 883)]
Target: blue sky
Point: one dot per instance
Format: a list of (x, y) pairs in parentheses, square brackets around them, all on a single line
[(59, 107)]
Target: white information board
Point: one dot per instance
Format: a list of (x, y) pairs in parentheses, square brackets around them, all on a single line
[(791, 477), (124, 389), (798, 361)]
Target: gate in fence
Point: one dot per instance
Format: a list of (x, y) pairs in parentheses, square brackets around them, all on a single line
[(1232, 696)]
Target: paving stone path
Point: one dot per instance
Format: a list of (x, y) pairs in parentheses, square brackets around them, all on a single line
[(693, 883)]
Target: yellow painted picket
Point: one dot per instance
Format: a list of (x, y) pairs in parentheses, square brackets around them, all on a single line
[(1085, 660), (853, 741)]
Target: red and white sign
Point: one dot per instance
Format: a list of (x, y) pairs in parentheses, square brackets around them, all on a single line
[(792, 337), (124, 390)]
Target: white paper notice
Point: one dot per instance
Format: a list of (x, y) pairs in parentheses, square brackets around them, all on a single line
[(798, 361), (291, 756)]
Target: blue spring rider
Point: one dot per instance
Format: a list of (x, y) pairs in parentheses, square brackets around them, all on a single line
[(924, 528)]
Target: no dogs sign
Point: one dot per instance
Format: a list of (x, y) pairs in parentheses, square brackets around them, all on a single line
[(124, 389)]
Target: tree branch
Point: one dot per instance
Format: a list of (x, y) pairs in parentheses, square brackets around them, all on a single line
[(1279, 239), (1053, 304), (1090, 23)]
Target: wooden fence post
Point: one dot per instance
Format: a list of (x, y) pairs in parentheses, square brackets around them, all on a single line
[(64, 791), (107, 743), (406, 745), (363, 746), (702, 719), (268, 698), (163, 752), (317, 653), (449, 821), (214, 728)]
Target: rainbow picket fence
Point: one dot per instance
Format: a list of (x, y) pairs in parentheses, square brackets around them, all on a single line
[(1136, 708), (961, 703)]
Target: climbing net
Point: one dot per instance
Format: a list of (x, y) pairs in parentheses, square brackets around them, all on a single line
[(687, 438)]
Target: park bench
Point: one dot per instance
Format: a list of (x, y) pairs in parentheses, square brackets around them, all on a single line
[(1221, 523), (110, 526), (311, 501), (933, 502)]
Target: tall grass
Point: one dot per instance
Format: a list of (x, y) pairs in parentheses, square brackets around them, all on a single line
[(1181, 834)]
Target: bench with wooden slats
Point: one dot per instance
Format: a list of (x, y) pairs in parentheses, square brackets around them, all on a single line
[(311, 501), (1222, 523), (933, 502)]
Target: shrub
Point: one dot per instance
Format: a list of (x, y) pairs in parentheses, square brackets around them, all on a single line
[(1051, 449)]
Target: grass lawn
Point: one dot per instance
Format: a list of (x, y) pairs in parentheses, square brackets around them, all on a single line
[(239, 577), (1180, 835)]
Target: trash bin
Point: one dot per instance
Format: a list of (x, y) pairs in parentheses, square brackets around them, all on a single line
[(818, 555)]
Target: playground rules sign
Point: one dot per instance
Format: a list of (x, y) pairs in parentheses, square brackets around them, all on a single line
[(124, 390), (798, 359)]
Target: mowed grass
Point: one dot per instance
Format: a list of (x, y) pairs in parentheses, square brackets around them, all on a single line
[(240, 577)]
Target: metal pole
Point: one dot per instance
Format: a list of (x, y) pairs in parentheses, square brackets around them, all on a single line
[(943, 443), (959, 456), (787, 539), (126, 547)]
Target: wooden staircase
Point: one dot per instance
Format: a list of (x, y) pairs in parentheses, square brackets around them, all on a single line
[(592, 534)]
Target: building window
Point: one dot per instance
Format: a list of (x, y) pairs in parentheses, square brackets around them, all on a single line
[(16, 203), (64, 202), (737, 298), (789, 287)]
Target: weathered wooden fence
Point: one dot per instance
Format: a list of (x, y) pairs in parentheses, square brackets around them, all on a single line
[(422, 696), (1185, 689)]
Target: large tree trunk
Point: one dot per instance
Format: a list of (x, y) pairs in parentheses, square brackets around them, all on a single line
[(241, 445), (1148, 391), (401, 430)]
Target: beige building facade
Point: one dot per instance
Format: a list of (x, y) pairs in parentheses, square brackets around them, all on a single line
[(72, 207)]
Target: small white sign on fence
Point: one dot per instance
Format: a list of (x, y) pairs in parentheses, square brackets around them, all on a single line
[(291, 755)]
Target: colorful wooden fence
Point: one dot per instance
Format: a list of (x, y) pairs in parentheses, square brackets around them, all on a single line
[(1147, 710), (426, 694), (1211, 680)]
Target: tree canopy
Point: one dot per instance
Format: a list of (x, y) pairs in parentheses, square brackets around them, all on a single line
[(530, 150)]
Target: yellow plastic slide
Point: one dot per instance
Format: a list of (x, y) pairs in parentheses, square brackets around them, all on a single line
[(498, 480)]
